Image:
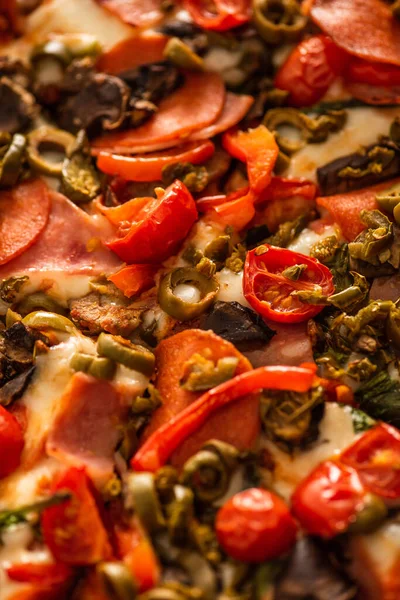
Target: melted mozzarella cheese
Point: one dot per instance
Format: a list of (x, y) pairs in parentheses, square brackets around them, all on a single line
[(187, 293), (335, 433), (231, 287), (307, 238), (363, 127), (60, 286)]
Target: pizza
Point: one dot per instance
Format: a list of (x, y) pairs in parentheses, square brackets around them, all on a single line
[(199, 299)]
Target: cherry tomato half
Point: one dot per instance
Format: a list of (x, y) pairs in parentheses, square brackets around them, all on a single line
[(11, 442), (310, 69), (74, 530), (328, 500), (376, 457), (154, 231), (219, 15), (271, 294), (255, 525)]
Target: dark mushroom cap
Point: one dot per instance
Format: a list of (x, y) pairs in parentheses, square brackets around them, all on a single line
[(310, 575), (18, 107), (103, 100)]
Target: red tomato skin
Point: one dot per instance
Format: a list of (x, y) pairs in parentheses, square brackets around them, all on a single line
[(376, 457), (159, 233), (310, 69), (74, 530), (328, 500), (52, 574), (11, 443), (263, 269), (228, 13), (254, 526)]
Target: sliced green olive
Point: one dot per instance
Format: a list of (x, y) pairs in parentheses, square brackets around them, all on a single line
[(207, 475), (117, 580), (202, 374), (180, 514), (122, 351), (39, 301), (395, 130), (371, 515), (389, 199), (278, 21), (181, 55), (142, 493), (53, 49), (41, 319), (181, 309), (50, 137), (310, 130), (100, 367), (219, 249), (396, 213), (11, 163), (79, 179), (82, 44)]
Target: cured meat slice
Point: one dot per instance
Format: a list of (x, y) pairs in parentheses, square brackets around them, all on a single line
[(374, 94), (195, 105), (24, 213), (86, 431), (65, 244), (234, 110), (365, 28)]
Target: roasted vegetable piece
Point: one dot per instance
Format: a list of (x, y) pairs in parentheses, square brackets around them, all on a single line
[(181, 55), (18, 106), (329, 499), (224, 15), (151, 235), (258, 149), (158, 447), (255, 525), (184, 310), (12, 162), (117, 580), (84, 540), (273, 295), (278, 21), (310, 69), (134, 279), (79, 179), (375, 456)]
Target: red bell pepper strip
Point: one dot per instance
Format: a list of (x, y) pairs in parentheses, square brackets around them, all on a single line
[(310, 69), (258, 149), (11, 442), (235, 209), (156, 451), (74, 530), (50, 575), (148, 167), (132, 52), (134, 279), (158, 227), (226, 14)]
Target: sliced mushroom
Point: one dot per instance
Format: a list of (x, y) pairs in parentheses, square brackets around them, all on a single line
[(368, 166), (152, 82), (15, 70), (102, 101), (310, 575), (79, 73)]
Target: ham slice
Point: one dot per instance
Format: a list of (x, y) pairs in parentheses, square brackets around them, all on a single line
[(234, 110), (64, 245), (366, 28), (195, 105), (87, 429), (290, 346)]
